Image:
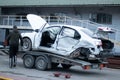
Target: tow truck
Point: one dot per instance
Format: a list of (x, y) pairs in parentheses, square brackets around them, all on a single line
[(43, 59), (46, 48)]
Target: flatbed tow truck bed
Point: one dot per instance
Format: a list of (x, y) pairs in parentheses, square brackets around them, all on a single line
[(44, 60)]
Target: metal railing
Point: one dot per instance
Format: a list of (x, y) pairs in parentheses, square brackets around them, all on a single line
[(20, 20), (13, 20)]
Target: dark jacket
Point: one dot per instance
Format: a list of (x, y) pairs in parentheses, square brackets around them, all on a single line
[(14, 37)]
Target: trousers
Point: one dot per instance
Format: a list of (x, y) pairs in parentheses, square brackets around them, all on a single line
[(13, 51)]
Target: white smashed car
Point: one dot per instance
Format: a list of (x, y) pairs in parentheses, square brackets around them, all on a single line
[(65, 40)]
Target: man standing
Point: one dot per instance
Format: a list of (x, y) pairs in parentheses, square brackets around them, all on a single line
[(13, 39)]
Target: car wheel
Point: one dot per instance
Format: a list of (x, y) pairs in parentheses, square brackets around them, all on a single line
[(41, 63), (66, 66), (27, 44), (28, 61)]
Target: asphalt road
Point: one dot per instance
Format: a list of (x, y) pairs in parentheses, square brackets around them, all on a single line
[(76, 72)]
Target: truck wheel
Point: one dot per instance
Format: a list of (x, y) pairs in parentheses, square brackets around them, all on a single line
[(28, 61), (66, 66), (41, 63), (27, 44)]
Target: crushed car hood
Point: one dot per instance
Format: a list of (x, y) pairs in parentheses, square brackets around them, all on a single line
[(36, 21)]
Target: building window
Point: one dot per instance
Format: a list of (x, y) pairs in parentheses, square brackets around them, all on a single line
[(102, 18)]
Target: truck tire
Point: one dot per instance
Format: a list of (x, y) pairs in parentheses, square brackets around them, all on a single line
[(27, 44), (41, 63), (28, 61), (66, 66)]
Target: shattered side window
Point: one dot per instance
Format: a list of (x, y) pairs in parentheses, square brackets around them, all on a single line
[(68, 32), (53, 30)]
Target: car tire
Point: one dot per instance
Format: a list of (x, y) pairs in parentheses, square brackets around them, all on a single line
[(27, 44), (28, 61), (41, 63)]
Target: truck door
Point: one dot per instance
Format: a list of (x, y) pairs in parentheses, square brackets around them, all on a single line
[(68, 38)]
